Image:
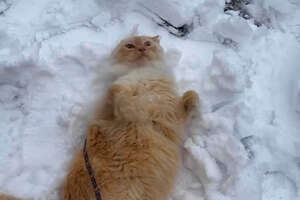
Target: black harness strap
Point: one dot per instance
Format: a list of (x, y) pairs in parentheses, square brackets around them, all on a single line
[(91, 172)]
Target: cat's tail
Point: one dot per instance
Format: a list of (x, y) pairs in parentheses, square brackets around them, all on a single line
[(5, 197)]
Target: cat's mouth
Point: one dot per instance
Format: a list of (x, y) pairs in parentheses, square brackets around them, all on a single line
[(142, 60), (143, 55)]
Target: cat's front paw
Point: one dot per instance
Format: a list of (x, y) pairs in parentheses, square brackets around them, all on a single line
[(190, 100)]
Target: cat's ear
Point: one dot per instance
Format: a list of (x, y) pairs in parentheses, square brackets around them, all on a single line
[(156, 38)]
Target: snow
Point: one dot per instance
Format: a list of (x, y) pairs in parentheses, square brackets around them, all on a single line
[(244, 144)]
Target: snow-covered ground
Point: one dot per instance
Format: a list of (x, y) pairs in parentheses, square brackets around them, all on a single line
[(247, 145)]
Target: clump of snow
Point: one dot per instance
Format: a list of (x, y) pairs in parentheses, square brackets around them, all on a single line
[(226, 79), (277, 185), (242, 143)]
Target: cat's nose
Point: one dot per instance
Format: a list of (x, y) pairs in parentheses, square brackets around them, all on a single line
[(142, 49)]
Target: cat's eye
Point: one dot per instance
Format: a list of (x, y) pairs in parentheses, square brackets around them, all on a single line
[(129, 46), (147, 43)]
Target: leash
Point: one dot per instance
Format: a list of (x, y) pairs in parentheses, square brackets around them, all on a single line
[(91, 172)]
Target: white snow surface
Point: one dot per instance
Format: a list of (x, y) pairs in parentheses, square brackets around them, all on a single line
[(243, 144)]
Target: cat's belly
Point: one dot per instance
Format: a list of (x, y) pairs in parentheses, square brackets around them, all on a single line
[(138, 170)]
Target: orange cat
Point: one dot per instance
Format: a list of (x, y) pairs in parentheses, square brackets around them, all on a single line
[(133, 142)]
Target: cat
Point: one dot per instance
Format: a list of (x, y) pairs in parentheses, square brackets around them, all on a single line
[(134, 138)]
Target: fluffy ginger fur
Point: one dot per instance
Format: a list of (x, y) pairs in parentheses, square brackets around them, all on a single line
[(135, 154), (133, 141), (5, 197)]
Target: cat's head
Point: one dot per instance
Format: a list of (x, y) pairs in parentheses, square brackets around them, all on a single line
[(138, 50)]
